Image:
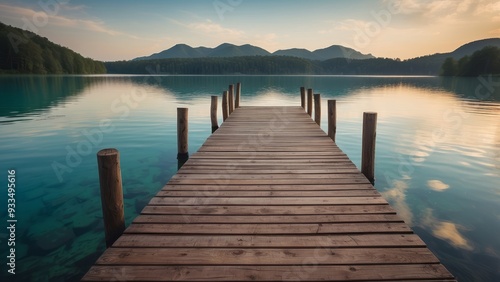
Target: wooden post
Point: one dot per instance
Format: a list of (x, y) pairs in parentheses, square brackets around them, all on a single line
[(238, 94), (309, 102), (182, 136), (231, 98), (317, 108), (110, 180), (225, 109), (213, 113), (332, 119), (303, 97), (368, 149)]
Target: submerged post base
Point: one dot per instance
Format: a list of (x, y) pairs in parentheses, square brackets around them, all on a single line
[(182, 159)]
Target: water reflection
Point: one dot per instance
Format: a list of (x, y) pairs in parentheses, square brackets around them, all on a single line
[(446, 230), (23, 95), (397, 196), (437, 185)]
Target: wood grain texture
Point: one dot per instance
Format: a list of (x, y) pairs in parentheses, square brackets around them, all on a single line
[(268, 197)]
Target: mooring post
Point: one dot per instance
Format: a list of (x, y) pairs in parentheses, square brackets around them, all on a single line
[(368, 149), (238, 94), (182, 136), (309, 102), (317, 108), (231, 98), (110, 180), (213, 113), (332, 119), (225, 106), (303, 97)]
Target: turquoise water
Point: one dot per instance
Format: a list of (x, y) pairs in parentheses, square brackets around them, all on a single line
[(437, 159)]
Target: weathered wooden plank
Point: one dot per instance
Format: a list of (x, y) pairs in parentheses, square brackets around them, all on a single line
[(283, 201), (269, 210), (291, 165), (196, 170), (278, 256), (209, 219), (221, 180), (217, 193), (269, 241), (307, 271), (269, 187), (271, 176), (286, 229)]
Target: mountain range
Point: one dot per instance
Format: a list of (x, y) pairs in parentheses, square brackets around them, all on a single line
[(183, 51)]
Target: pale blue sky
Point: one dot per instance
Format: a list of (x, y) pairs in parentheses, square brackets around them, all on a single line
[(122, 30)]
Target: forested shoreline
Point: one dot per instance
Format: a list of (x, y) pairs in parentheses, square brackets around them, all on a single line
[(484, 61), (24, 52)]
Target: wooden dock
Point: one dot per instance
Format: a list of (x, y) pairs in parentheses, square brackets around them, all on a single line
[(268, 197)]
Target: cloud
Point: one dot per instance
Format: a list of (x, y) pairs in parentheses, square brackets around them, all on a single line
[(214, 28), (436, 11), (39, 19)]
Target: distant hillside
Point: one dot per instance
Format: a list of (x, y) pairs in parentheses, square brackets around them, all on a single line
[(224, 50), (231, 50), (179, 51), (431, 64), (25, 52), (469, 48), (332, 52)]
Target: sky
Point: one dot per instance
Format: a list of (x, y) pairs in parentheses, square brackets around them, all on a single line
[(122, 30)]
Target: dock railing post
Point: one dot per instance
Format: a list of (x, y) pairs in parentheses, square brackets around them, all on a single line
[(110, 181), (368, 146), (303, 97), (238, 94), (182, 136), (225, 106), (213, 113), (332, 119), (309, 102), (317, 108), (231, 98)]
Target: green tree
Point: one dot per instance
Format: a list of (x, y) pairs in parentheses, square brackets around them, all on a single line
[(450, 67)]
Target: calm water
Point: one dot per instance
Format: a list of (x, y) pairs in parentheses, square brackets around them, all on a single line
[(438, 156)]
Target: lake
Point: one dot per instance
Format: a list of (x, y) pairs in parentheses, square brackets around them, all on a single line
[(437, 156)]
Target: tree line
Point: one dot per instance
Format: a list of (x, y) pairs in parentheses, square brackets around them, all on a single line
[(25, 52), (274, 65), (484, 61)]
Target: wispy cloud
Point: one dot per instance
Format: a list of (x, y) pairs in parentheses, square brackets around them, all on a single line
[(215, 28), (17, 13), (440, 10)]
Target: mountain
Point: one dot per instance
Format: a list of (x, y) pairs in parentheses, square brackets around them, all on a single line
[(231, 50), (223, 50), (179, 51), (469, 48), (332, 52), (296, 52), (431, 64), (25, 52)]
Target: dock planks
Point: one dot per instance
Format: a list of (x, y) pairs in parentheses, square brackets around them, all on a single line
[(268, 197)]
